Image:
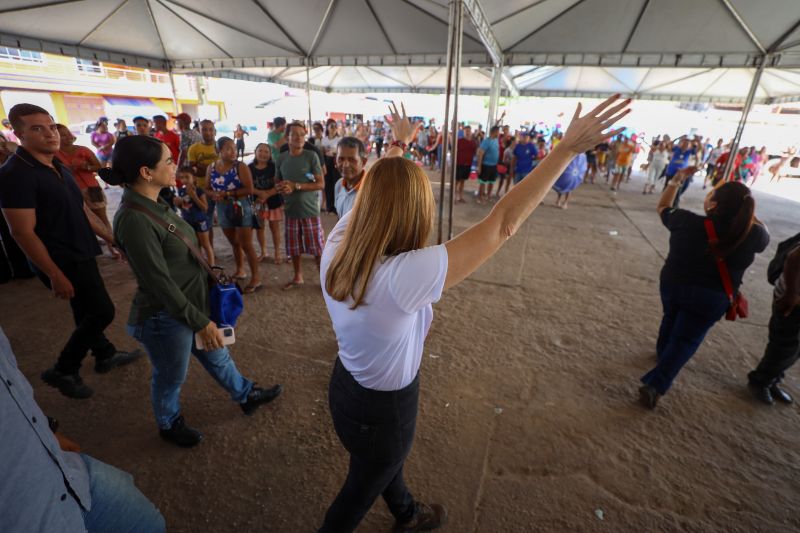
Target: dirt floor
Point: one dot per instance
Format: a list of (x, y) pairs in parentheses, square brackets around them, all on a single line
[(528, 419)]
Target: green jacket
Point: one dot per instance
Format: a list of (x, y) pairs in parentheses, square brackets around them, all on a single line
[(169, 277)]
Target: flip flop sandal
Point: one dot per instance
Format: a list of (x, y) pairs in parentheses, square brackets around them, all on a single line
[(250, 289), (293, 284)]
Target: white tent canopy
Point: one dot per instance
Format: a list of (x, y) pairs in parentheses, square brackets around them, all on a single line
[(679, 49)]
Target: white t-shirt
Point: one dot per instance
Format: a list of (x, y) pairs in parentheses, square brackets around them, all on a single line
[(330, 145), (381, 342)]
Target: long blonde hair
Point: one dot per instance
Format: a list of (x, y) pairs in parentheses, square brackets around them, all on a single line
[(393, 213)]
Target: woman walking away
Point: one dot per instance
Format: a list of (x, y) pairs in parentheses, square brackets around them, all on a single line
[(269, 204), (659, 159), (238, 136), (379, 280), (171, 307), (230, 185), (692, 291)]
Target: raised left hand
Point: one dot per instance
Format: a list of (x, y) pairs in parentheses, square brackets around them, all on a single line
[(589, 130), (402, 128)]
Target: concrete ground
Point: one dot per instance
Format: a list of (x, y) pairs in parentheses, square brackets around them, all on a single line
[(528, 418)]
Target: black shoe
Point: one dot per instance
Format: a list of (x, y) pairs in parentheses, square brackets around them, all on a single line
[(101, 366), (70, 385), (258, 397), (780, 394), (760, 393), (648, 396), (426, 517), (181, 434)]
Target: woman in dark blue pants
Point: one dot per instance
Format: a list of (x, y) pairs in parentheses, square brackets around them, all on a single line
[(692, 293)]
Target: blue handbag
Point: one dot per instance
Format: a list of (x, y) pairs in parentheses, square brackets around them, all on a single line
[(224, 294)]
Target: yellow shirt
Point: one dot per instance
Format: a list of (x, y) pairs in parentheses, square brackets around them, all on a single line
[(624, 155), (202, 155)]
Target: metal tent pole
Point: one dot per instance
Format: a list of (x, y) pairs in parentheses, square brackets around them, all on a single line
[(748, 104), (451, 48), (494, 96), (308, 96), (174, 93), (454, 136)]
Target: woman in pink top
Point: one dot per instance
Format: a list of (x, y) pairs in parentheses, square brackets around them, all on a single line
[(103, 140)]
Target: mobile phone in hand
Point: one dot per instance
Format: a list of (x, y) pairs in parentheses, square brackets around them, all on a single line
[(228, 337)]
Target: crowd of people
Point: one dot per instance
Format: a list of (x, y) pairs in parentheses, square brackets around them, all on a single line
[(378, 276)]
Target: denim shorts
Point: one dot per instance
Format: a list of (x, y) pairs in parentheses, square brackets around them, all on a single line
[(225, 222)]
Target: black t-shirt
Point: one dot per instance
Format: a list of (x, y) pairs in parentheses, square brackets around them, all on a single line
[(690, 260), (61, 224), (264, 179)]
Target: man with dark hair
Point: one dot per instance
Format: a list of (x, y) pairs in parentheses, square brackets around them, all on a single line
[(467, 146), (298, 177), (351, 156), (168, 137), (44, 209), (276, 138), (142, 126)]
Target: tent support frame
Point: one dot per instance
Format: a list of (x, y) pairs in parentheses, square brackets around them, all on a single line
[(748, 105), (452, 49)]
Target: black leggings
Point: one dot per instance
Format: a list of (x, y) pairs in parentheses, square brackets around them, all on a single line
[(377, 428)]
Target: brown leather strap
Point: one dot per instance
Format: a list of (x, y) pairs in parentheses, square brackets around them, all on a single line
[(215, 272)]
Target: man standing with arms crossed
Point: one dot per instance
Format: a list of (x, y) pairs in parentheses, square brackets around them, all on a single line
[(44, 209), (298, 174)]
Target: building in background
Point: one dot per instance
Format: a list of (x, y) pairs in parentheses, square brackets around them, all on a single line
[(78, 91)]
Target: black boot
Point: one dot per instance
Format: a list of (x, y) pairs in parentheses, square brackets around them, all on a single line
[(70, 385), (258, 397), (648, 396), (181, 434), (426, 517), (780, 394), (761, 393), (101, 366)]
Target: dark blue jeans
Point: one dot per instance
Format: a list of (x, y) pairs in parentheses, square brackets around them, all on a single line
[(689, 312), (377, 428)]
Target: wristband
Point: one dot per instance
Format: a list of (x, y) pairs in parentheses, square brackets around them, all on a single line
[(399, 144)]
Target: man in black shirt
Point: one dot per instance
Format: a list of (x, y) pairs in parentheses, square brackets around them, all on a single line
[(44, 209)]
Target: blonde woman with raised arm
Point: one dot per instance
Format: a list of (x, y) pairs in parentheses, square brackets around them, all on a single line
[(379, 279)]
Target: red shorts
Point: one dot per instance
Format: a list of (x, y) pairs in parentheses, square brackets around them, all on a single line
[(304, 236)]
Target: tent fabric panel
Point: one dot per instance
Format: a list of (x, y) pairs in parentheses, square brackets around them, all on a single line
[(235, 43), (299, 18), (115, 34), (767, 29), (689, 25), (512, 30), (67, 23), (351, 29), (589, 26), (180, 40)]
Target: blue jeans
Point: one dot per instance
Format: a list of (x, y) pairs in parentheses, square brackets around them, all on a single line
[(689, 312), (117, 505), (169, 343)]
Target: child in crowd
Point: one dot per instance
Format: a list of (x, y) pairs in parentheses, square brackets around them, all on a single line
[(193, 205)]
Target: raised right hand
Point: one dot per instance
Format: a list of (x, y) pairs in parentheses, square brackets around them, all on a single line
[(62, 288)]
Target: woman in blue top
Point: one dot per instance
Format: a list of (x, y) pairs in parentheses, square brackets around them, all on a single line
[(692, 292), (230, 184)]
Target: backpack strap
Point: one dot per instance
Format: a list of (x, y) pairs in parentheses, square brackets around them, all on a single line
[(173, 229)]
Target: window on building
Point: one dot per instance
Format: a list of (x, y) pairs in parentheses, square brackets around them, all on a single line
[(88, 66), (20, 56)]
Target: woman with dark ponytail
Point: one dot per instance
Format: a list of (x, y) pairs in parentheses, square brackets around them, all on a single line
[(692, 292), (171, 304)]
